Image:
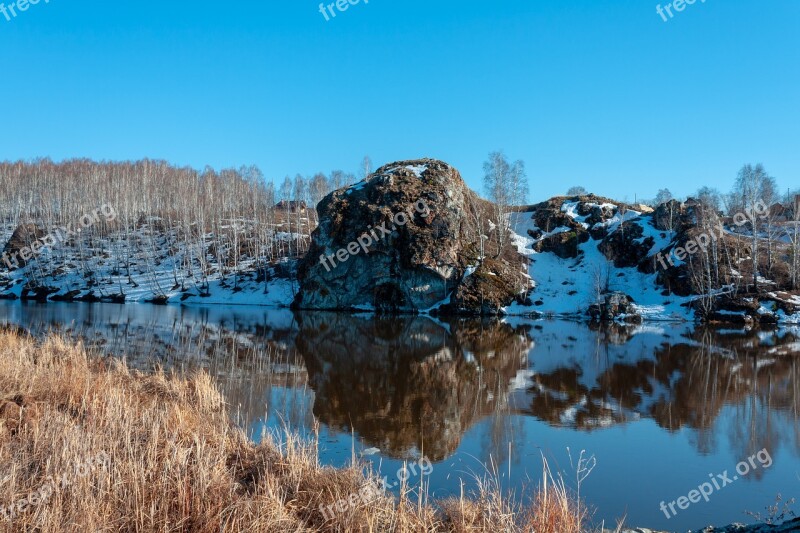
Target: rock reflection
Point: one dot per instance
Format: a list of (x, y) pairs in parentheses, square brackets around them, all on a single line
[(406, 385), (681, 382)]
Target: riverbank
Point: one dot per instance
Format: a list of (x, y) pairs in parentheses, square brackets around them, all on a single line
[(87, 444)]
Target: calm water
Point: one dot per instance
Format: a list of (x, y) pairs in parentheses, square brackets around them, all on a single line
[(660, 407)]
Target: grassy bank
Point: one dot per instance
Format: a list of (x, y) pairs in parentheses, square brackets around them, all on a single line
[(87, 444)]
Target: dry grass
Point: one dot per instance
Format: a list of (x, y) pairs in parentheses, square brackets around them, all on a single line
[(177, 463)]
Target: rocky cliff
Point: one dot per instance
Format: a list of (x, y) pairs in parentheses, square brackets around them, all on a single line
[(405, 240)]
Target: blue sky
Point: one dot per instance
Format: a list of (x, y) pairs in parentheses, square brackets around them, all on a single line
[(600, 93)]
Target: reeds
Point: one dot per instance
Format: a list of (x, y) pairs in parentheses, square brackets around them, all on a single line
[(172, 461)]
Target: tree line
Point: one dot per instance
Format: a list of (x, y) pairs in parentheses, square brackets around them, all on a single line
[(203, 220)]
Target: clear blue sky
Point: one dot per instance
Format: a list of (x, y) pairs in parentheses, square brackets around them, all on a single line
[(601, 93)]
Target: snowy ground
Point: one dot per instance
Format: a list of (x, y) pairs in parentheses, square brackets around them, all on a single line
[(152, 267), (566, 287), (149, 265)]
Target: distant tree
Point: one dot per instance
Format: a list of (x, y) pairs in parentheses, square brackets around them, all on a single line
[(576, 191), (366, 167), (336, 180), (301, 197), (496, 182), (663, 196), (286, 189), (792, 202), (506, 185), (755, 189), (519, 183), (318, 188), (710, 197), (793, 233)]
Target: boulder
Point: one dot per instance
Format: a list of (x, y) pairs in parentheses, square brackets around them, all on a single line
[(366, 255), (741, 310), (565, 245), (23, 237), (615, 306)]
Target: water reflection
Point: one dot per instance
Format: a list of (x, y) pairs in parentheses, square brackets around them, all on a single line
[(494, 390), (407, 385)]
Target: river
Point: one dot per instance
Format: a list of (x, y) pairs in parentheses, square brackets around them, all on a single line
[(658, 410)]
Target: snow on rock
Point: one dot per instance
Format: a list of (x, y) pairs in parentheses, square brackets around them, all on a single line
[(418, 170)]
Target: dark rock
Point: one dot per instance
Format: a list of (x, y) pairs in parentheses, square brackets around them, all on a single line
[(565, 245), (116, 299), (486, 290), (792, 525), (615, 306), (736, 310), (89, 297), (23, 237), (622, 247), (600, 214), (413, 266), (37, 293), (65, 297), (158, 300), (783, 301), (535, 234), (671, 216)]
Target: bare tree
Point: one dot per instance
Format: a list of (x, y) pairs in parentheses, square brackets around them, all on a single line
[(336, 180), (366, 167), (794, 239), (755, 188), (505, 185), (576, 191), (710, 197), (663, 196)]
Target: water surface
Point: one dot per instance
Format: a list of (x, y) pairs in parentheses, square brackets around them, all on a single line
[(660, 407)]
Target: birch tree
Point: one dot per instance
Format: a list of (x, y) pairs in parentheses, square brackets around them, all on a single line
[(755, 189)]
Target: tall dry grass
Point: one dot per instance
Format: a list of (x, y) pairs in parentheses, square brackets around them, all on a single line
[(175, 462)]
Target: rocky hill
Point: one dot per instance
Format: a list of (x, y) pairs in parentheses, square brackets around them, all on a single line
[(624, 262), (413, 238)]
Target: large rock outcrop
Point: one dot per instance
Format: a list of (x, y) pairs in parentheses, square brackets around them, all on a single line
[(23, 237), (403, 241)]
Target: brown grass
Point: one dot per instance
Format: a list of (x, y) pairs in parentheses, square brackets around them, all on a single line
[(177, 463)]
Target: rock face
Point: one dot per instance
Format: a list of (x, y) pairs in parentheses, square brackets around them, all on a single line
[(403, 241), (615, 306), (22, 237), (627, 248), (672, 216)]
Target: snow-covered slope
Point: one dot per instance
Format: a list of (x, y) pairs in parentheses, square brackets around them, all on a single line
[(149, 265), (567, 287)]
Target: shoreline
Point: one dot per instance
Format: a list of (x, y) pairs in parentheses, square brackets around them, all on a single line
[(173, 458)]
